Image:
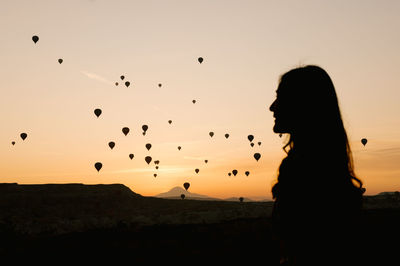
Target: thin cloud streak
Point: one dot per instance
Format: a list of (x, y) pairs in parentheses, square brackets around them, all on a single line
[(96, 77), (163, 169), (194, 158)]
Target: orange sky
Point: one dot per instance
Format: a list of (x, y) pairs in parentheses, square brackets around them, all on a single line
[(246, 46)]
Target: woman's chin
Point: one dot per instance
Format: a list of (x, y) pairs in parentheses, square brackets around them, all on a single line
[(277, 129)]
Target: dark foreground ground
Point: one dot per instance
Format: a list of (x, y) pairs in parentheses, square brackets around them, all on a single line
[(53, 226)]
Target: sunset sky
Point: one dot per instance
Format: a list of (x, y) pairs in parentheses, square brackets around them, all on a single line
[(246, 46)]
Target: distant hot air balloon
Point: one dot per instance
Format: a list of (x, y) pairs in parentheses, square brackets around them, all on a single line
[(206, 161), (157, 167), (364, 141), (60, 60), (252, 144), (227, 135), (186, 185), (156, 162), (200, 59), (131, 156), (97, 112), (116, 83), (211, 134), (111, 144), (35, 38), (144, 127), (125, 130), (23, 136), (241, 199), (234, 172), (229, 174), (197, 170), (179, 147), (182, 196), (259, 143), (247, 173), (148, 159), (280, 135), (148, 146), (13, 142), (169, 121), (127, 83), (257, 156), (155, 175), (122, 77), (98, 166), (194, 101), (159, 85), (250, 138)]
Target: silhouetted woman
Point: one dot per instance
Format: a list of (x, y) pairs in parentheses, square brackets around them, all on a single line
[(317, 196)]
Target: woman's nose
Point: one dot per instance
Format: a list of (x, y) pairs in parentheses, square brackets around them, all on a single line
[(272, 107)]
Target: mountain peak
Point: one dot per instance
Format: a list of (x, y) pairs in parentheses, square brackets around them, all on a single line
[(176, 192)]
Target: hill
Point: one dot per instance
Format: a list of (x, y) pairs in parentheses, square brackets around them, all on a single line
[(54, 209), (176, 192)]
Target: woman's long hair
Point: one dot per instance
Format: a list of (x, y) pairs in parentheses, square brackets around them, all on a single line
[(317, 130)]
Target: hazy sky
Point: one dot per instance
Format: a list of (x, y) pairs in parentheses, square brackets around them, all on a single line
[(246, 46)]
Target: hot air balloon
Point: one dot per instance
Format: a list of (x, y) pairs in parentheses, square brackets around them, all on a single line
[(182, 196), (98, 166), (148, 146), (111, 144), (227, 135), (127, 83), (125, 130), (186, 185), (13, 142), (155, 175), (197, 170), (156, 162), (206, 161), (234, 172), (257, 156), (250, 138), (229, 174), (23, 136), (211, 134), (60, 60), (252, 144), (35, 38), (122, 77), (280, 135), (364, 141), (147, 159), (259, 143), (144, 127), (169, 121), (97, 112), (179, 147), (241, 199), (159, 85), (157, 167), (247, 173), (131, 156), (194, 101), (116, 83), (200, 59)]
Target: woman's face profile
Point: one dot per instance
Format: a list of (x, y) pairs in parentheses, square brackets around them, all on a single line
[(280, 113)]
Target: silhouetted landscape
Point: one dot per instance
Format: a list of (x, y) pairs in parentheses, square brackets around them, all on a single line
[(75, 220)]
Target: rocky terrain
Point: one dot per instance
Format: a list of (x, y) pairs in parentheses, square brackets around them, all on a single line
[(95, 220)]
